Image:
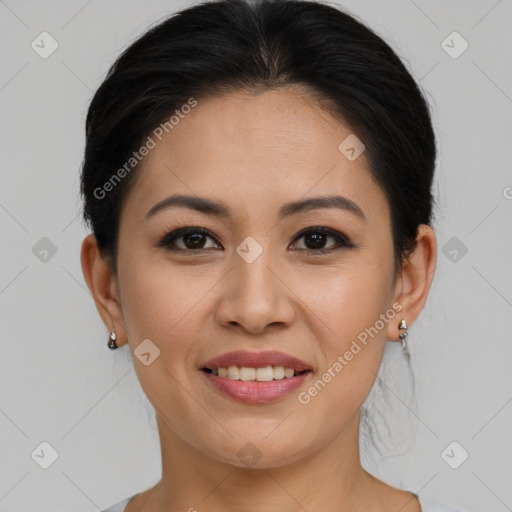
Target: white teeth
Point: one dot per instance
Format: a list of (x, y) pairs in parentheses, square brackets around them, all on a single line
[(279, 372), (288, 372), (247, 373), (233, 373), (265, 374)]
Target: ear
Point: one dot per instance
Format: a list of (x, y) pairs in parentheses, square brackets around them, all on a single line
[(102, 283), (413, 283)]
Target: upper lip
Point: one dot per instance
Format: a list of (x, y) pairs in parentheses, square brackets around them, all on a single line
[(256, 360)]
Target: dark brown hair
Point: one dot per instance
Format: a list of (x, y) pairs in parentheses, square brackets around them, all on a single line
[(232, 45)]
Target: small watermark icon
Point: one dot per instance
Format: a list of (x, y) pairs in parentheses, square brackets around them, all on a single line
[(249, 455), (44, 45), (351, 147), (454, 249), (44, 250), (249, 249), (146, 352), (454, 45), (454, 455), (44, 455)]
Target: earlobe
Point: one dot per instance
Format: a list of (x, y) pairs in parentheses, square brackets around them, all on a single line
[(102, 283), (415, 279)]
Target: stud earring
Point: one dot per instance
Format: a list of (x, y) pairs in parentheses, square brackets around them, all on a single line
[(112, 340)]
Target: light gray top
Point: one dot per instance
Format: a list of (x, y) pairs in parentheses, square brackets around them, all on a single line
[(427, 505)]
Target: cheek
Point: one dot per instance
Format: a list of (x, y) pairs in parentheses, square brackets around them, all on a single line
[(161, 304), (354, 304), (157, 298), (352, 355), (349, 297)]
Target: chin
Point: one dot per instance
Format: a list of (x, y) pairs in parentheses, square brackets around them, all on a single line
[(251, 452)]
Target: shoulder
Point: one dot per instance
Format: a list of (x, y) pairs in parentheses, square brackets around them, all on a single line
[(119, 507), (428, 505)]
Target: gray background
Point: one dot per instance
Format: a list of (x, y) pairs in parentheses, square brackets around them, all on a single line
[(59, 383)]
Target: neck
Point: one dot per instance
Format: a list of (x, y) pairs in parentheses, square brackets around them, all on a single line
[(328, 478)]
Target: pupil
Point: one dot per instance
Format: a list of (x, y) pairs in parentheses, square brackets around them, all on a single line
[(318, 240), (196, 240)]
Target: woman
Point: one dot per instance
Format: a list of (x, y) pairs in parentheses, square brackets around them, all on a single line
[(257, 178)]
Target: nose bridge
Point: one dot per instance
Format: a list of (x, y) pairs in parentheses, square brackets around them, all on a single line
[(254, 281), (253, 277), (256, 297)]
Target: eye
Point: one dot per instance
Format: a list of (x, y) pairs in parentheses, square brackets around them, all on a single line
[(193, 239), (315, 239)]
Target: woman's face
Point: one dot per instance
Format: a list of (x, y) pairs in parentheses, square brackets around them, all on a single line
[(257, 281)]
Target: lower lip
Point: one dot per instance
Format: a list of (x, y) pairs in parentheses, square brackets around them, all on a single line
[(255, 392)]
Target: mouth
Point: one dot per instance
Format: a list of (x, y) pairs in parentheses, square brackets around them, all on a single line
[(256, 377)]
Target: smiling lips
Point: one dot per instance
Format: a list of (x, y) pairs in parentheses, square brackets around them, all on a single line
[(256, 377)]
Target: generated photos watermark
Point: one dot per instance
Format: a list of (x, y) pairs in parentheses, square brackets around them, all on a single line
[(342, 361), (138, 156)]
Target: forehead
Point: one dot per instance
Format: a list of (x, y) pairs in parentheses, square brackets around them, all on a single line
[(251, 149)]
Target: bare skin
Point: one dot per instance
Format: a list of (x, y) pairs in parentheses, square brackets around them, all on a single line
[(255, 152)]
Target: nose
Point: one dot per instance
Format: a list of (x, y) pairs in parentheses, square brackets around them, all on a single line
[(255, 297)]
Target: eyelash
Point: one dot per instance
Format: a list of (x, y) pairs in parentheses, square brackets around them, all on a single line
[(168, 240)]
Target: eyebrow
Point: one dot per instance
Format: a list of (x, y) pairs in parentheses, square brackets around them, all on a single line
[(219, 209)]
